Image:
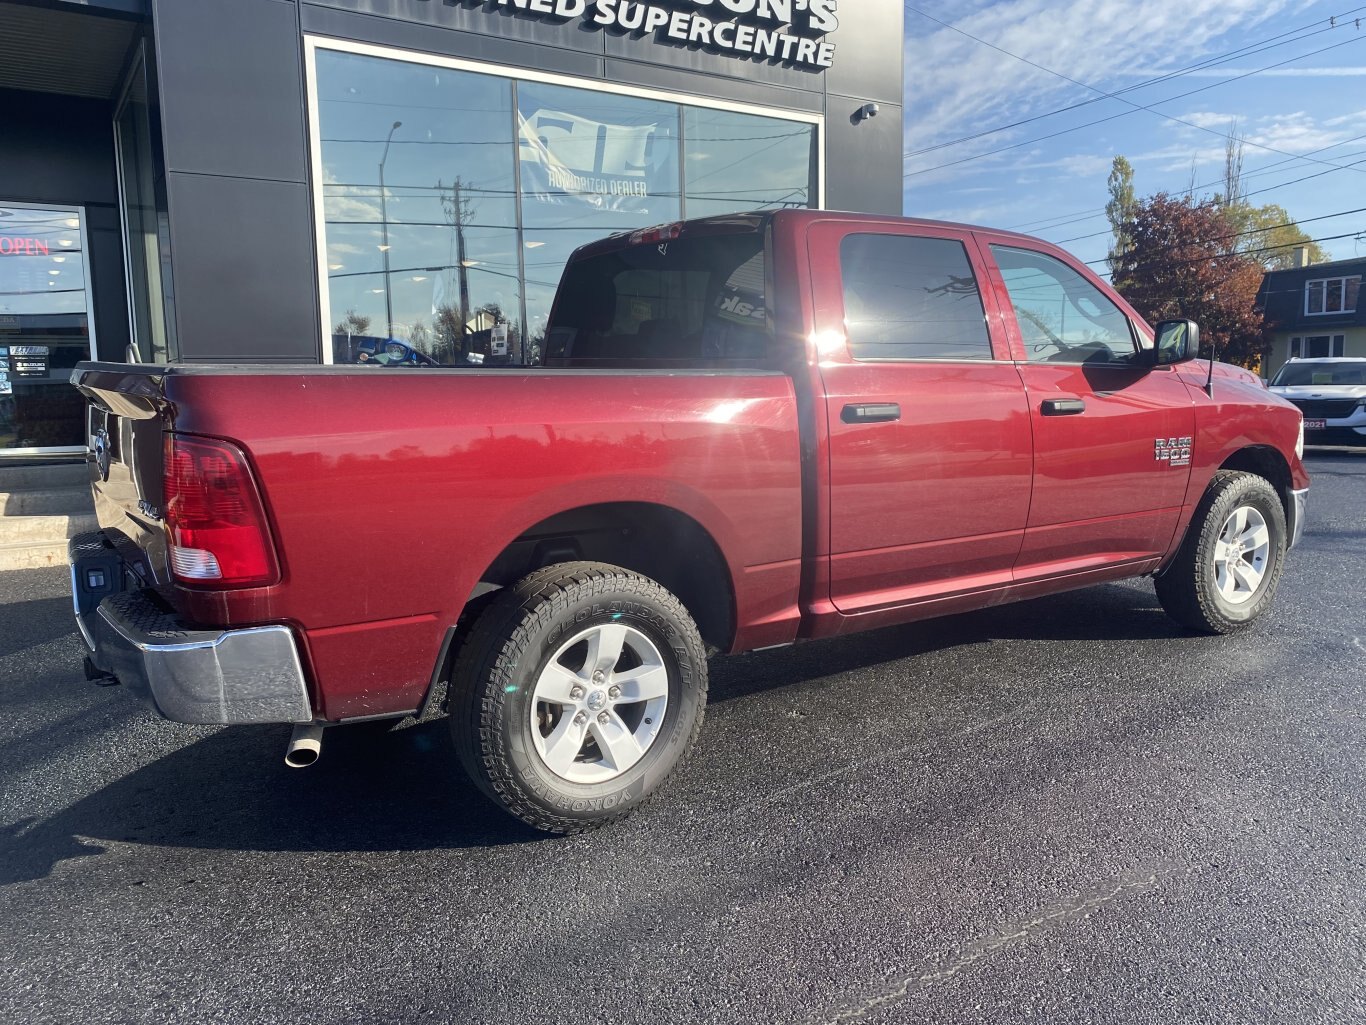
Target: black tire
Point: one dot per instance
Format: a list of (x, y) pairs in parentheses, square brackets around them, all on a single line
[(1188, 588), (511, 645)]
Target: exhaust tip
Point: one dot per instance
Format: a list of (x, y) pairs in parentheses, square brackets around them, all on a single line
[(305, 746)]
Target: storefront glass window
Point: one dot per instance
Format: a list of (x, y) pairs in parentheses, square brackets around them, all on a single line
[(452, 199), (592, 164), (419, 196), (743, 162), (143, 223), (44, 328)]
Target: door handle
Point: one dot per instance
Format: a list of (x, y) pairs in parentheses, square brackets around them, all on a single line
[(1063, 407), (871, 413)]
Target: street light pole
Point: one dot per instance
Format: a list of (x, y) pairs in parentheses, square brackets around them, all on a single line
[(384, 230)]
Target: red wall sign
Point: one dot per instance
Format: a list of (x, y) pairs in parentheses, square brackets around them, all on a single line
[(13, 245)]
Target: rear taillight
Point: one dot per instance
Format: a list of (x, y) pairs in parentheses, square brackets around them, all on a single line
[(215, 521)]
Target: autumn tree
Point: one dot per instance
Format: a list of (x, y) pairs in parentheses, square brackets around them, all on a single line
[(1180, 265)]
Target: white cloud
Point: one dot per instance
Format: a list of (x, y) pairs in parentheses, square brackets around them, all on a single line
[(956, 86)]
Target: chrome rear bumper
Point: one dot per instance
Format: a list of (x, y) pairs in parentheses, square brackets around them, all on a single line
[(252, 675)]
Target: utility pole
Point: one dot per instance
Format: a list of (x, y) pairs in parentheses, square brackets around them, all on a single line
[(463, 271), (384, 231)]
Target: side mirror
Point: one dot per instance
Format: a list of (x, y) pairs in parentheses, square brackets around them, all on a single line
[(1177, 341)]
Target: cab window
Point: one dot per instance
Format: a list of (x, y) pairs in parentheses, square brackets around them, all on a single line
[(907, 297), (692, 301), (1063, 318)]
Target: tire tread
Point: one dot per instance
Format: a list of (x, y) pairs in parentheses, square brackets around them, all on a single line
[(1178, 587), (497, 640)]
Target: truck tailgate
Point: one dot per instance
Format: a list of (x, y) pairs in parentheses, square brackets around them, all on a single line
[(128, 418)]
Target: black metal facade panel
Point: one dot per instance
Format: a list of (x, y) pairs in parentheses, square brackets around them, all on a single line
[(868, 52), (231, 87), (71, 167), (57, 149), (245, 275), (863, 160), (407, 35)]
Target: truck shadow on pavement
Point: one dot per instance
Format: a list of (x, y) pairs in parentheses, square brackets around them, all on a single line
[(371, 791), (1108, 612), (402, 790)]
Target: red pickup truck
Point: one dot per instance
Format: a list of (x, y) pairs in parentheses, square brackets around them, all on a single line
[(746, 431)]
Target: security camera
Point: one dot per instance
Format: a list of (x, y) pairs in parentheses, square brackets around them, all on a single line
[(865, 112)]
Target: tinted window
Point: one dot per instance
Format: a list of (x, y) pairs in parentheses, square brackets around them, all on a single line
[(694, 300), (911, 298), (1063, 318)]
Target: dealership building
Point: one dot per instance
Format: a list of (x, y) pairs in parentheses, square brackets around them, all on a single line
[(286, 181)]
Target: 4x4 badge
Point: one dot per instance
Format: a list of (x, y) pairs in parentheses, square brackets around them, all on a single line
[(1173, 451)]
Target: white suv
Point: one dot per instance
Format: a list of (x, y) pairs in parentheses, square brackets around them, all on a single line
[(1331, 393)]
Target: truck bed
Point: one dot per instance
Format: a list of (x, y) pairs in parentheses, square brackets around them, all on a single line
[(401, 489)]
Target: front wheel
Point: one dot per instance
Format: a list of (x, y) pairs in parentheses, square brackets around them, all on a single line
[(580, 690), (1225, 573)]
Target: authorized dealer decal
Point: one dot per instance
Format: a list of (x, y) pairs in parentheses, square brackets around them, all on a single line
[(789, 31)]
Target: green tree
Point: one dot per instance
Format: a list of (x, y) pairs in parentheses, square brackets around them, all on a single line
[(1267, 233), (352, 323), (1119, 210)]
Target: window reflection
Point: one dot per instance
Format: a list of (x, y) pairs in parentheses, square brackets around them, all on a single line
[(419, 200), (907, 297), (1062, 317), (745, 162), (429, 241), (44, 327)]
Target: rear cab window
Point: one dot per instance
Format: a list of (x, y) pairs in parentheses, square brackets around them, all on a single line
[(911, 297), (697, 300)]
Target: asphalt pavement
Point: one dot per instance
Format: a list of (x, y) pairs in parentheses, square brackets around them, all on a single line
[(1062, 811)]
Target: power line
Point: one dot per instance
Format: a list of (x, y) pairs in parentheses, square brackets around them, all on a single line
[(1246, 252), (1081, 215), (1257, 192), (1251, 231), (1224, 58), (1135, 106)]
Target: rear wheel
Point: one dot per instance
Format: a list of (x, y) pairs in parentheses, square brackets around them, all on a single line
[(1226, 572), (580, 690)]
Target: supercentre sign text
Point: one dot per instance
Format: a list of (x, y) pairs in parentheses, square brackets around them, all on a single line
[(785, 30)]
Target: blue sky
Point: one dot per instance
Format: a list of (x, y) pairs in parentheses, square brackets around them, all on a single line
[(1302, 112)]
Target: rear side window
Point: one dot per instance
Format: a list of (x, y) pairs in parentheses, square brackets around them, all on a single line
[(907, 297), (1063, 318), (690, 301)]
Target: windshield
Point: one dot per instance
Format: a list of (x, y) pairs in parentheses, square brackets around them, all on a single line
[(690, 301), (1293, 374)]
